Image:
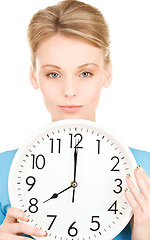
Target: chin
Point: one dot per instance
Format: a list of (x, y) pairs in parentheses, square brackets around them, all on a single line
[(73, 116)]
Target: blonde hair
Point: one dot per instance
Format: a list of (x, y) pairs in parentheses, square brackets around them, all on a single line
[(70, 17)]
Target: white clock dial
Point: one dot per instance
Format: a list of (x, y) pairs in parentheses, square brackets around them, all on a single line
[(69, 179)]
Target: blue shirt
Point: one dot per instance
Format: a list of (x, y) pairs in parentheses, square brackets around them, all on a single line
[(142, 158)]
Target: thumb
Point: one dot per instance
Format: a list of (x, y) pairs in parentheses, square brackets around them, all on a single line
[(15, 213)]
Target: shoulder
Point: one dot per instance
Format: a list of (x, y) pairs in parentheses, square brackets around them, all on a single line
[(8, 154), (142, 158), (6, 160)]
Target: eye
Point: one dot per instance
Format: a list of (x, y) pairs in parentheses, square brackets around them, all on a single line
[(53, 75), (86, 74)]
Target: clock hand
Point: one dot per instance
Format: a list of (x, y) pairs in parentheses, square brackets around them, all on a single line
[(75, 167), (75, 163), (55, 195), (73, 184), (73, 195)]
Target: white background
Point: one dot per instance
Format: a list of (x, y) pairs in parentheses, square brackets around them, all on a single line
[(124, 107)]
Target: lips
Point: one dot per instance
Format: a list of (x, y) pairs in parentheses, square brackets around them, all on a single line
[(71, 108)]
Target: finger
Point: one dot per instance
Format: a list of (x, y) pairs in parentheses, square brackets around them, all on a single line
[(14, 237), (134, 205), (15, 213), (143, 182), (135, 192), (147, 178), (17, 228)]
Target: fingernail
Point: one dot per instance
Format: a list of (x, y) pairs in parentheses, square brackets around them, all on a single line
[(43, 233), (126, 190), (128, 176), (138, 168), (26, 219)]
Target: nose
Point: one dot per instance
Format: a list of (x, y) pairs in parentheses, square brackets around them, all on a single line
[(70, 88)]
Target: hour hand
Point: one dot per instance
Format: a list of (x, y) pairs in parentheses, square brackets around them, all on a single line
[(55, 195)]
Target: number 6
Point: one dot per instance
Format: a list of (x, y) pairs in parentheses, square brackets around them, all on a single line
[(72, 228)]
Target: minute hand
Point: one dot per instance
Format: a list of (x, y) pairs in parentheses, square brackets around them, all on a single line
[(75, 163), (75, 167)]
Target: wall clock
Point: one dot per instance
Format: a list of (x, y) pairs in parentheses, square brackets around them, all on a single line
[(69, 179)]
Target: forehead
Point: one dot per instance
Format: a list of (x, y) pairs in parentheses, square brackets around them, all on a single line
[(60, 49)]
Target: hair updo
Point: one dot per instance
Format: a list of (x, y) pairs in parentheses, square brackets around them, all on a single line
[(72, 18)]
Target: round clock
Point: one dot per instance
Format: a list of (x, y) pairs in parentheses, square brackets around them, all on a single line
[(69, 179)]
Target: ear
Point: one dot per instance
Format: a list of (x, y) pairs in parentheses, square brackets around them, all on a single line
[(33, 78), (108, 77)]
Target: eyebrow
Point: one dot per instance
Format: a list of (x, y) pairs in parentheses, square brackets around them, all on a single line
[(87, 64), (83, 65)]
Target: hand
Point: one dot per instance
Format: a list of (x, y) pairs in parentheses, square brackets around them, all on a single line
[(75, 162), (55, 195), (11, 229), (140, 203), (75, 167)]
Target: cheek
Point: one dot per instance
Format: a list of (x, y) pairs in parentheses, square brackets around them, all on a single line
[(48, 91), (93, 91)]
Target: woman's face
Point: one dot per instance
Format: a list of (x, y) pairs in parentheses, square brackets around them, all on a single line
[(70, 74)]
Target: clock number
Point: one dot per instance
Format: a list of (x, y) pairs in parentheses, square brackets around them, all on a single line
[(52, 144), (28, 181), (96, 222), (79, 140), (114, 168), (119, 185), (54, 217), (36, 161), (72, 231), (113, 207), (33, 208), (98, 141)]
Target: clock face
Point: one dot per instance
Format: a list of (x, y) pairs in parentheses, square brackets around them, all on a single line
[(69, 179)]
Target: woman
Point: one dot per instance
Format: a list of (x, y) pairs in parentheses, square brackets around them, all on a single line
[(71, 64)]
